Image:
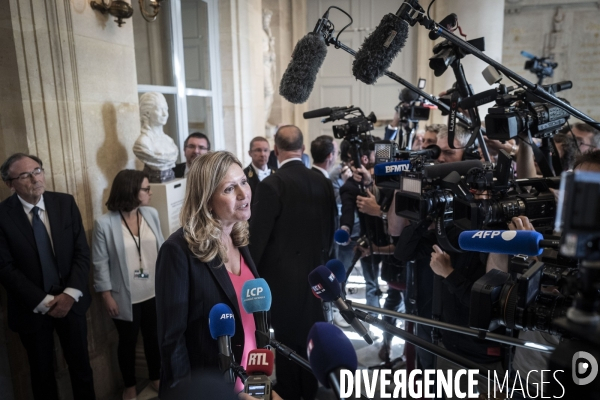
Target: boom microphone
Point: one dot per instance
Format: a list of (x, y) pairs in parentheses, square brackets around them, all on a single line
[(324, 112), (221, 324), (326, 286), (329, 350), (256, 298), (529, 243), (380, 48), (299, 78)]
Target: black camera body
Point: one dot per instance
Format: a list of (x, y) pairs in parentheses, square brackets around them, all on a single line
[(523, 112), (498, 300)]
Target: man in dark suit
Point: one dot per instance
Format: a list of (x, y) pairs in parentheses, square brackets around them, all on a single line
[(258, 169), (291, 233), (195, 145), (44, 263), (323, 151)]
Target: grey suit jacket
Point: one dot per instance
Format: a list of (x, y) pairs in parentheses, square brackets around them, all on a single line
[(108, 257)]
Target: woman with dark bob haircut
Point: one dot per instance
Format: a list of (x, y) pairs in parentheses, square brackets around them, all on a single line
[(125, 245), (204, 263)]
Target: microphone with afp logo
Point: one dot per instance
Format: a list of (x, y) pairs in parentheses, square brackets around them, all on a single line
[(528, 243), (256, 299), (221, 324)]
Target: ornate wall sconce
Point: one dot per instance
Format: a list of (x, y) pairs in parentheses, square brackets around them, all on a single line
[(155, 5), (117, 8), (122, 10)]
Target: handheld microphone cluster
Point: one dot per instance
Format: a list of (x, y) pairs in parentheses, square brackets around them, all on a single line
[(299, 78), (529, 243), (329, 350), (380, 48), (325, 285), (256, 298)]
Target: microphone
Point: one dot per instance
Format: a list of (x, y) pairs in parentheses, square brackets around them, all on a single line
[(256, 298), (442, 170), (259, 368), (380, 48), (529, 243), (326, 286), (329, 351), (299, 78), (338, 269), (393, 168), (341, 237), (324, 112), (260, 362), (221, 324)]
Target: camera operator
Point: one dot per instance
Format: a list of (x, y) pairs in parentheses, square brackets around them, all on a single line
[(371, 227), (339, 175)]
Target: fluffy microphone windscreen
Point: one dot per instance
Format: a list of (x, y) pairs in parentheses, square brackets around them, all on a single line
[(260, 361), (341, 236), (338, 269), (221, 321), (328, 349), (502, 242), (299, 78), (324, 284), (256, 296), (379, 49)]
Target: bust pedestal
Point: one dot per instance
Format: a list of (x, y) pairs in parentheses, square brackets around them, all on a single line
[(167, 198), (155, 176)]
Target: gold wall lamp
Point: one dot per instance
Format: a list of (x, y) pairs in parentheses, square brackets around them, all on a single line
[(122, 10)]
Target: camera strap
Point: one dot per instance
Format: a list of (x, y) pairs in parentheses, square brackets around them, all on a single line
[(454, 99)]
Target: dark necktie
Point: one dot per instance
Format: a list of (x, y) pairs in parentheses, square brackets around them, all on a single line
[(49, 268)]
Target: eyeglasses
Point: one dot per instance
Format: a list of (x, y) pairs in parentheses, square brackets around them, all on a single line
[(27, 175), (192, 147), (146, 189)]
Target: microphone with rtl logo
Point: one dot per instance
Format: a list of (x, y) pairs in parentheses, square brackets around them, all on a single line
[(221, 324), (259, 368), (256, 299)]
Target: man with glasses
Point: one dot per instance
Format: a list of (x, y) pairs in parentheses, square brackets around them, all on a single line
[(258, 168), (44, 263), (587, 137), (195, 145)]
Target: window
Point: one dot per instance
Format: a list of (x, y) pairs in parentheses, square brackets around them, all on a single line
[(178, 55)]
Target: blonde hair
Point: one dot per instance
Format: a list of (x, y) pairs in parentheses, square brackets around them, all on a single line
[(201, 229)]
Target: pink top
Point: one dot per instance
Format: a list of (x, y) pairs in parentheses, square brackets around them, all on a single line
[(247, 319)]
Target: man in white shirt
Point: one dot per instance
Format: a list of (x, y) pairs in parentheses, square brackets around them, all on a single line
[(258, 168), (44, 265)]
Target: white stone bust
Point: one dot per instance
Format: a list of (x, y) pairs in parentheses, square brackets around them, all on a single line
[(153, 147)]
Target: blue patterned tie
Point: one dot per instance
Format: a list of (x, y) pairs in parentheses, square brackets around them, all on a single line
[(49, 267)]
